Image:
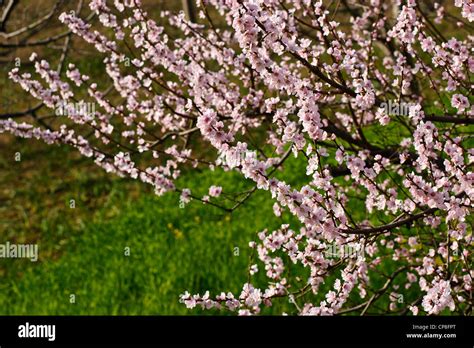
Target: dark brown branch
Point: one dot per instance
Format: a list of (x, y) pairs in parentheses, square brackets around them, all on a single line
[(22, 113), (390, 226), (6, 14)]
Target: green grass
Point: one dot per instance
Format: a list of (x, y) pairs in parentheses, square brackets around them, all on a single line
[(172, 249)]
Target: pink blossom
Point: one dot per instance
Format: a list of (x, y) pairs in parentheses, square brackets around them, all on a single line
[(215, 191)]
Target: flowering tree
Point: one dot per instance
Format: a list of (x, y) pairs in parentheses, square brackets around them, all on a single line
[(373, 96)]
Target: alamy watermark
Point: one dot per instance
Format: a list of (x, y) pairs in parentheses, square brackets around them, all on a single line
[(397, 109), (72, 109), (334, 251), (13, 251), (236, 158), (37, 331)]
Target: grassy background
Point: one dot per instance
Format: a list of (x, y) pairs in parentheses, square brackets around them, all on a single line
[(82, 250)]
